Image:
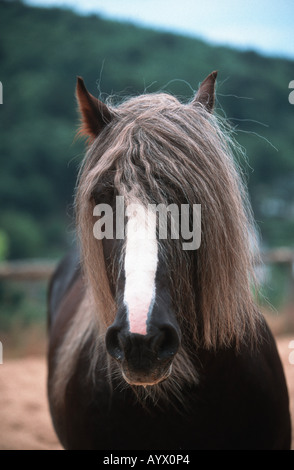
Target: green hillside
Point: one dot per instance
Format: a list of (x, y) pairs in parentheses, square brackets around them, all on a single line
[(41, 53)]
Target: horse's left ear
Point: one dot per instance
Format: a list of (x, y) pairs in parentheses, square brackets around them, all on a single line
[(95, 115), (206, 92)]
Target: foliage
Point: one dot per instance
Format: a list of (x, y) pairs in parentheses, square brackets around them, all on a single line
[(41, 53), (3, 245), (22, 304)]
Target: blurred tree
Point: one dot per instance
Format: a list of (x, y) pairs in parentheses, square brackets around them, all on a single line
[(42, 51), (4, 245)]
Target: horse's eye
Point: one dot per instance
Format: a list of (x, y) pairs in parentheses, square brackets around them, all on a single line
[(99, 197), (103, 197)]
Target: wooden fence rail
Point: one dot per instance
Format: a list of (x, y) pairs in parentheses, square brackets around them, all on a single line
[(37, 270), (27, 270), (41, 270), (279, 256)]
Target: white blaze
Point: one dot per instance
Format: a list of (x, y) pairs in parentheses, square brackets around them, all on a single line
[(141, 259)]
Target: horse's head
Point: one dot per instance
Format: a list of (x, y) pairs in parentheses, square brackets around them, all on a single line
[(144, 336), (138, 159)]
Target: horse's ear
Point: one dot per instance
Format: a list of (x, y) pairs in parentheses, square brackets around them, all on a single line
[(94, 114), (206, 92)]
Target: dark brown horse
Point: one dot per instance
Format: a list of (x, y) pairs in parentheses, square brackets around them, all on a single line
[(155, 344)]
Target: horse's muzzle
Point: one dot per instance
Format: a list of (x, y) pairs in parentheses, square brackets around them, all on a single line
[(144, 359), (141, 380)]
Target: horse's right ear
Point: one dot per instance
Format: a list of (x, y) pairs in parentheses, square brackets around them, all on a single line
[(206, 92), (94, 114)]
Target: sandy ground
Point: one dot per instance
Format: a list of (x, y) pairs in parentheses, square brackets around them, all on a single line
[(24, 416)]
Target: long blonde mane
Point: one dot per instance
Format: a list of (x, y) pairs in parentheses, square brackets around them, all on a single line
[(158, 150)]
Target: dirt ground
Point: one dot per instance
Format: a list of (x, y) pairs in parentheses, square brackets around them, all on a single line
[(24, 416)]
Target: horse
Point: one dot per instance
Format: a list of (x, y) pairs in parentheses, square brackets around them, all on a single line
[(153, 346)]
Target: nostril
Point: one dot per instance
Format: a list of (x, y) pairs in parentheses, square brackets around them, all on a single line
[(113, 345), (166, 343)]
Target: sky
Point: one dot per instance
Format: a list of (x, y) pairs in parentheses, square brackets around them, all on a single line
[(266, 26)]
